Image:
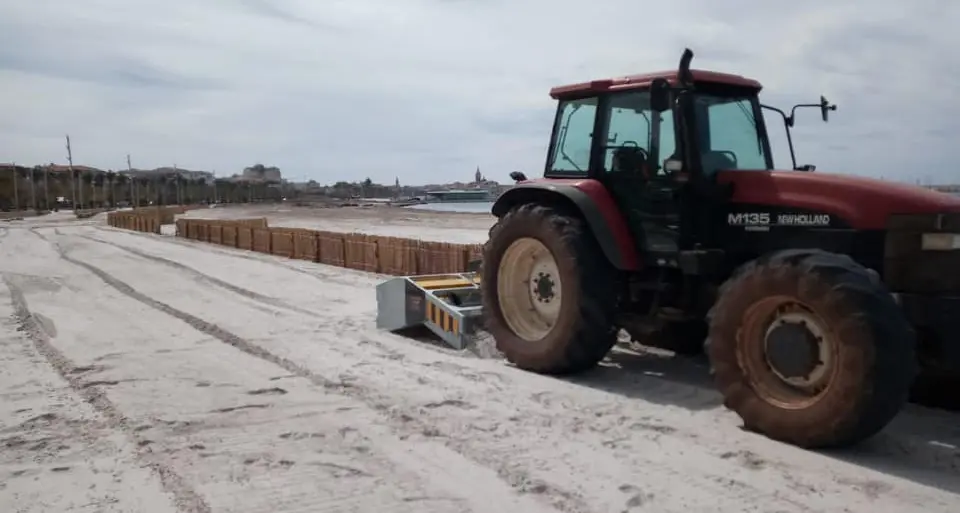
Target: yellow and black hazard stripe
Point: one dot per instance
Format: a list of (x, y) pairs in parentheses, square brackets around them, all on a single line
[(442, 318)]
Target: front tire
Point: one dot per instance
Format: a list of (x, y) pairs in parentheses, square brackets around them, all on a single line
[(549, 293), (810, 349)]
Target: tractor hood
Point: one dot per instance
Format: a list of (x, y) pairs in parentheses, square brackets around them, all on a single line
[(864, 203)]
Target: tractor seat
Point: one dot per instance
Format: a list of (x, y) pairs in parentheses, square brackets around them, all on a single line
[(714, 161), (629, 159)]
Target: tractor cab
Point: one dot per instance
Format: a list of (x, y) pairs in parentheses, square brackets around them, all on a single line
[(714, 123), (657, 142)]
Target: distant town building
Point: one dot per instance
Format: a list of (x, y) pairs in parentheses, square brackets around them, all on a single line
[(185, 173), (55, 168), (168, 172), (261, 173)]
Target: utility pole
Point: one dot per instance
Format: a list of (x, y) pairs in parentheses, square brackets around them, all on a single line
[(16, 189), (216, 198), (33, 187), (73, 179), (133, 189), (46, 188), (176, 176)]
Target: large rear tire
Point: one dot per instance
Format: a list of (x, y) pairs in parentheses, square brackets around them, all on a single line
[(810, 349), (549, 293)]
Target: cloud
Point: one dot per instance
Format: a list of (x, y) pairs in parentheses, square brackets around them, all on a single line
[(429, 89)]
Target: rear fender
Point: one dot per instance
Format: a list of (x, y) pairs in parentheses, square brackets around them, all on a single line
[(591, 200)]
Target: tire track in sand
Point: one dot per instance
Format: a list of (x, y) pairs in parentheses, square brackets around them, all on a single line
[(405, 421), (247, 293), (271, 301), (185, 498), (348, 323), (245, 254)]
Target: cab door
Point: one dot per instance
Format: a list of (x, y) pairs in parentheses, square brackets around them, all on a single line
[(631, 148)]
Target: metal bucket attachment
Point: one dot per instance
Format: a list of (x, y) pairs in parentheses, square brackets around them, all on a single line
[(447, 304)]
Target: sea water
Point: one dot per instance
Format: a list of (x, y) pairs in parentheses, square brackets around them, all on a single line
[(477, 207)]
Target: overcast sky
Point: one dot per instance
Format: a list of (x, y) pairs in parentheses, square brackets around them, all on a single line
[(431, 89)]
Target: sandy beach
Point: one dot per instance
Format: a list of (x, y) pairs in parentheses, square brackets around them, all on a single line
[(146, 373), (466, 228)]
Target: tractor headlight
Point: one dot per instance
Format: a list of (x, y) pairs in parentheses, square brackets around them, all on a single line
[(940, 241)]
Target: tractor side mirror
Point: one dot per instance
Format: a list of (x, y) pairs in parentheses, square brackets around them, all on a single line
[(825, 108), (660, 95)]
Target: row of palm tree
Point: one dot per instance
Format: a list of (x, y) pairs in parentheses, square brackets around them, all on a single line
[(38, 188)]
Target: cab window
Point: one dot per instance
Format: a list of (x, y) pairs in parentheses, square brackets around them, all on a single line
[(573, 137), (629, 143), (732, 139), (627, 146)]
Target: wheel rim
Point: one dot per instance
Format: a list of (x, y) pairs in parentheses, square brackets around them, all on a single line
[(529, 289), (787, 351)]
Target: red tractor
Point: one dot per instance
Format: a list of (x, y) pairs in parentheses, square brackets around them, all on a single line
[(819, 296)]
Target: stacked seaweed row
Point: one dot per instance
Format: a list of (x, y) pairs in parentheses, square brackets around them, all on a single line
[(154, 216), (371, 253), (131, 220)]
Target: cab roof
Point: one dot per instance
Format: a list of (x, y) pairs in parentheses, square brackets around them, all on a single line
[(644, 80)]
